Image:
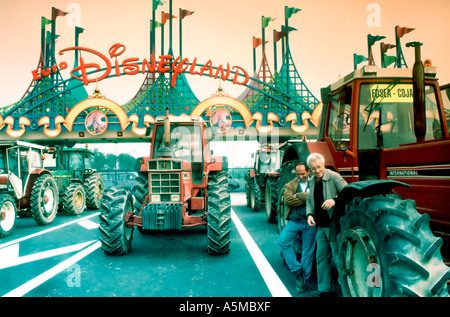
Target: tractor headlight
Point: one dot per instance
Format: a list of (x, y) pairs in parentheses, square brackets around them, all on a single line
[(155, 198), (174, 197)]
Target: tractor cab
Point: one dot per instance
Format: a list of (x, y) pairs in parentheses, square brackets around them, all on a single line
[(18, 160), (372, 109)]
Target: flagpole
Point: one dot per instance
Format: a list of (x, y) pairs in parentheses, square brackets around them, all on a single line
[(170, 27), (287, 48), (162, 34), (254, 56), (263, 48), (274, 52), (181, 34), (382, 56)]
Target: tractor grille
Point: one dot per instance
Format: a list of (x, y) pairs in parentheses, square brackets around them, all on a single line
[(165, 185)]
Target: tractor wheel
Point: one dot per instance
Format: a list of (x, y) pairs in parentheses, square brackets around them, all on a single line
[(140, 191), (74, 199), (8, 214), (386, 248), (115, 236), (255, 197), (247, 194), (44, 200), (94, 187), (271, 200), (219, 213)]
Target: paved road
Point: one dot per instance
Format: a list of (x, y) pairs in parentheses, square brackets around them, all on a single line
[(64, 259)]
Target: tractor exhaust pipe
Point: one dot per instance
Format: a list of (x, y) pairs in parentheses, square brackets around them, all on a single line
[(164, 151), (167, 129), (419, 93)]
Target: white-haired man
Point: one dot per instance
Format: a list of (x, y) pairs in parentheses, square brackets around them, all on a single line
[(324, 187)]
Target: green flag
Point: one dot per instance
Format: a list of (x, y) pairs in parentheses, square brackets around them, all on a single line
[(388, 60), (290, 11), (157, 25), (290, 28), (44, 22), (157, 3), (266, 20), (359, 59), (371, 39)]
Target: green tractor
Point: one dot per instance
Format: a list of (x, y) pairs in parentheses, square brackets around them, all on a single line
[(80, 185)]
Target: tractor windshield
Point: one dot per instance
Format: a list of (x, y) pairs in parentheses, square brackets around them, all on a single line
[(386, 115), (185, 142)]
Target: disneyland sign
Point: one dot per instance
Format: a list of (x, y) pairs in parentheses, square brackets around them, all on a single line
[(135, 65)]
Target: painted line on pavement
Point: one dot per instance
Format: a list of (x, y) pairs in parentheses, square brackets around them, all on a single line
[(273, 282), (47, 230), (40, 279)]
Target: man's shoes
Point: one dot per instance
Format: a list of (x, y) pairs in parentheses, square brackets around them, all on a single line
[(324, 294), (300, 281)]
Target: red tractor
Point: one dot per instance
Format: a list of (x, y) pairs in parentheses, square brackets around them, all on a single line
[(180, 185), (384, 131), (25, 185)]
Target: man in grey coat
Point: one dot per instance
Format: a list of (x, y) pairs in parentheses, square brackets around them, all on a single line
[(324, 187)]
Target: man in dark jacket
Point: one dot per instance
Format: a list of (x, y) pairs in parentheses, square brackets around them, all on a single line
[(325, 186), (295, 196)]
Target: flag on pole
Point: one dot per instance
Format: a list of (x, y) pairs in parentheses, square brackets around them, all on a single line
[(403, 31), (257, 42), (290, 29), (388, 60), (278, 35), (185, 13), (165, 17), (359, 59), (371, 39), (44, 22), (385, 47), (157, 3), (157, 25), (57, 13), (290, 11), (266, 20), (78, 30)]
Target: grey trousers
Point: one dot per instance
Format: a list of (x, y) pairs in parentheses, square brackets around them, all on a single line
[(325, 254)]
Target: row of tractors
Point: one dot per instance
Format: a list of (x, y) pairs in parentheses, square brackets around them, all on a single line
[(28, 187), (386, 132)]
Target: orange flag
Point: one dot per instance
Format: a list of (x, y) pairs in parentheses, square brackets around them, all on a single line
[(403, 31)]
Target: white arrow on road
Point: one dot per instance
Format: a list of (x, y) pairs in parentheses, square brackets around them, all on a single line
[(9, 256)]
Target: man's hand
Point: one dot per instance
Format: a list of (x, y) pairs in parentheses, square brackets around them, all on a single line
[(327, 204), (311, 221)]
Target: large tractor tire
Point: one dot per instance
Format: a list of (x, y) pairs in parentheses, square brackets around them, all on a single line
[(140, 191), (115, 236), (94, 187), (8, 215), (44, 199), (219, 213), (271, 195), (386, 249), (255, 197), (74, 199)]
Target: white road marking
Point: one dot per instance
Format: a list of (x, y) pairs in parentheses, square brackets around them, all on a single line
[(273, 282), (46, 231), (42, 278), (10, 256), (87, 224)]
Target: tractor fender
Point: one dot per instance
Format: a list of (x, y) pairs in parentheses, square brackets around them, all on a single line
[(218, 163), (364, 189)]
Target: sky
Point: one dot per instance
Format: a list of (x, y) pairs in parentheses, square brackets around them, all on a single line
[(328, 33)]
